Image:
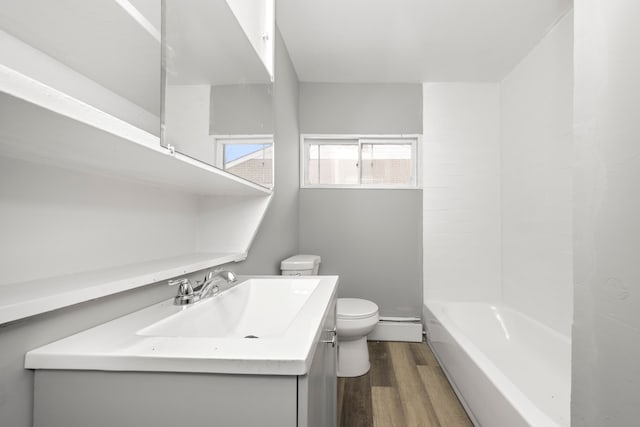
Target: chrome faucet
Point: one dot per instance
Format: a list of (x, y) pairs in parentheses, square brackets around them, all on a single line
[(187, 294)]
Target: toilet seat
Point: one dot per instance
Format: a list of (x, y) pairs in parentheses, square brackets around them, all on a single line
[(355, 308)]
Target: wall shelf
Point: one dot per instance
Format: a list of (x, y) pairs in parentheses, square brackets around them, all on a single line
[(41, 124), (77, 112), (20, 300)]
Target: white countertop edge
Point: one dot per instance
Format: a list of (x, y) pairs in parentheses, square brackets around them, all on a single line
[(127, 355), (165, 364)]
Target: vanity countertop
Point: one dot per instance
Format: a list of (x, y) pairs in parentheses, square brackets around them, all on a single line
[(289, 316)]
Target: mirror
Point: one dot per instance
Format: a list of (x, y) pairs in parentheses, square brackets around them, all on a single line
[(217, 84), (103, 53)]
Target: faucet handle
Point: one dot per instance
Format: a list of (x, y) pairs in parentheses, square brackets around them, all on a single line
[(208, 276), (184, 286), (231, 277)]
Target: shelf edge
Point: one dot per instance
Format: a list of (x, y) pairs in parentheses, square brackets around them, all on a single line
[(37, 304)]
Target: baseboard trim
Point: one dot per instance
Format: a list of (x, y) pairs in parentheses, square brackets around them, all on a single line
[(387, 330)]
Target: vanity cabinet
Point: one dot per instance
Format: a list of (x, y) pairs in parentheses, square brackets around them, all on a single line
[(317, 391)]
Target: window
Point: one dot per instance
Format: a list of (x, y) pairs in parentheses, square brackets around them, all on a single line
[(250, 157), (358, 162)]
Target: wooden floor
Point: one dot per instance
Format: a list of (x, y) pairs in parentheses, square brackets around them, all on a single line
[(405, 388)]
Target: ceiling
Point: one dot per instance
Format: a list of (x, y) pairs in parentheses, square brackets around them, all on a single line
[(412, 41)]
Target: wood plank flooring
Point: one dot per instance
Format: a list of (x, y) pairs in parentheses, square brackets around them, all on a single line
[(404, 388)]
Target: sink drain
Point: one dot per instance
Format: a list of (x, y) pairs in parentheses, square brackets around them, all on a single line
[(251, 336)]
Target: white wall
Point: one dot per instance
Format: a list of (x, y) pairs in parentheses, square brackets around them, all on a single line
[(606, 330), (56, 222), (536, 125), (461, 201)]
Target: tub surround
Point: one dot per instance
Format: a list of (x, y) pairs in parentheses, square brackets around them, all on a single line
[(127, 344), (497, 201), (497, 185), (536, 129), (461, 200)]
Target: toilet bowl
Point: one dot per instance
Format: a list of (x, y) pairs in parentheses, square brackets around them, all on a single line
[(356, 319)]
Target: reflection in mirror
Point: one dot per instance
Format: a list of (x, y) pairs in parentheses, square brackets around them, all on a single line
[(218, 91), (103, 53), (250, 157)]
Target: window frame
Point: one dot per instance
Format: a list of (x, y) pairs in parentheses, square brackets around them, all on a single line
[(306, 140)]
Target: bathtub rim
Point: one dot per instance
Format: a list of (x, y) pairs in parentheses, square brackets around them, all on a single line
[(529, 412)]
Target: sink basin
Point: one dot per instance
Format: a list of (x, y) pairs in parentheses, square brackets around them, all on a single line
[(265, 325), (256, 308)]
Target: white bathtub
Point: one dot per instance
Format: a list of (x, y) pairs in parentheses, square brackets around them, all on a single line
[(508, 369)]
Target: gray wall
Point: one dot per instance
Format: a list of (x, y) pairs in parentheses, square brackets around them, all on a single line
[(242, 109), (606, 215), (371, 238), (360, 108), (277, 237)]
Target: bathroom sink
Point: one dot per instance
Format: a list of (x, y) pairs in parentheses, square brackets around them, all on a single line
[(265, 325), (256, 308)]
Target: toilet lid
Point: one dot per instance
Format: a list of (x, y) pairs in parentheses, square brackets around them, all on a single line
[(355, 308)]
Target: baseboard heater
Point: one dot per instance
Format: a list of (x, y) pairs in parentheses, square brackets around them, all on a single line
[(408, 329)]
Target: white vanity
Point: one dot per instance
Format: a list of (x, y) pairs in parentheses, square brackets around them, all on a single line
[(259, 353)]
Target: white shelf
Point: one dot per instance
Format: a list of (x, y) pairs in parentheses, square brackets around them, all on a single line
[(20, 300), (43, 125)]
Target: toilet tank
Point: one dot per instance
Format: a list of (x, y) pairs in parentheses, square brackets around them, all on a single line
[(300, 265)]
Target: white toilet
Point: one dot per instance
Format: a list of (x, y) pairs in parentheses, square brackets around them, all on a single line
[(300, 265), (356, 319)]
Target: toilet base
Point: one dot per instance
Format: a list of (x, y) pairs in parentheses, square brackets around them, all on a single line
[(353, 357)]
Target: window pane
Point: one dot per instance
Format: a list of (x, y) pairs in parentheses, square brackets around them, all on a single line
[(253, 162), (333, 164), (386, 164)]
